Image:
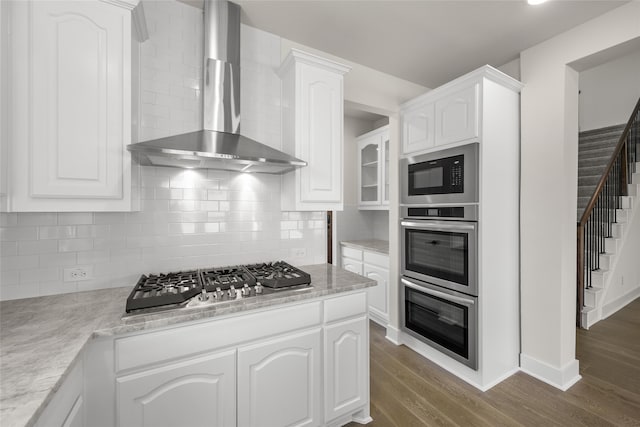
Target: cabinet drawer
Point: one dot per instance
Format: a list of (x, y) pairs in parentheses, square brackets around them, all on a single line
[(346, 306), (351, 265), (376, 258), (153, 347), (352, 253)]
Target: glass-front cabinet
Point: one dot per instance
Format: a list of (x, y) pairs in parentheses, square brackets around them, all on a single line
[(373, 173)]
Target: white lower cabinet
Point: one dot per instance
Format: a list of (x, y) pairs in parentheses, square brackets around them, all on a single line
[(346, 367), (378, 305), (66, 408), (185, 393), (278, 382), (372, 265), (299, 364)]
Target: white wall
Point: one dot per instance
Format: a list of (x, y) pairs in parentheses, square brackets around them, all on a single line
[(609, 92), (549, 130), (3, 106), (189, 219), (511, 68)]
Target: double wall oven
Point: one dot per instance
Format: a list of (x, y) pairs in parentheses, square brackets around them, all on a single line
[(439, 233)]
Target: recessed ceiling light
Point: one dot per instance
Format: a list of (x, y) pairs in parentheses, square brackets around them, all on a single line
[(535, 2)]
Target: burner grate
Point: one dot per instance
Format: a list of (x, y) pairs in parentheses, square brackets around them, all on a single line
[(224, 278), (163, 289), (278, 274)]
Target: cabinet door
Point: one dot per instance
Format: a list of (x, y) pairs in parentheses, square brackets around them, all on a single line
[(384, 175), (195, 392), (377, 294), (321, 135), (70, 134), (66, 408), (352, 265), (346, 367), (279, 382), (369, 168), (457, 116), (417, 128)]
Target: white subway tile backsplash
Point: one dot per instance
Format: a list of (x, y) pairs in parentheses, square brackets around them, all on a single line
[(93, 257), (19, 262), (8, 277), (57, 232), (55, 260), (8, 249), (10, 292), (18, 233), (37, 218), (188, 218), (36, 275), (84, 231), (32, 247), (75, 245), (8, 219)]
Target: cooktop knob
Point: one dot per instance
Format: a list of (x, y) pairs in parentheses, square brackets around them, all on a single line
[(218, 293), (258, 288), (246, 290), (203, 295), (232, 292)]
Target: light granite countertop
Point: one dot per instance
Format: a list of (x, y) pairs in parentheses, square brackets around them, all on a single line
[(375, 245), (40, 338)]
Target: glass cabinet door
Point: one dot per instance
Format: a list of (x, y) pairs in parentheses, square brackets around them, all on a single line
[(385, 170), (369, 165)]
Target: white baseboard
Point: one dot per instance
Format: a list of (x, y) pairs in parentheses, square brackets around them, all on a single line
[(393, 335), (378, 318), (561, 378), (617, 304)]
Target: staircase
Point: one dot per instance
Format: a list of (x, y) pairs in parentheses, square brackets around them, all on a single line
[(594, 152), (594, 295), (608, 205)]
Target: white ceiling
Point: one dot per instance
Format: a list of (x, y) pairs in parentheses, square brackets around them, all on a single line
[(427, 42)]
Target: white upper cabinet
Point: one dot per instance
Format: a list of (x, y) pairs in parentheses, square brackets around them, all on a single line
[(457, 116), (312, 101), (452, 113), (373, 169), (417, 128), (70, 115)]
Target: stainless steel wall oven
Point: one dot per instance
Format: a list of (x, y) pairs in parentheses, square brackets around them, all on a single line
[(440, 246), (445, 319)]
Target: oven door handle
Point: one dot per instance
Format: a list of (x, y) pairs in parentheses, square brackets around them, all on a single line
[(439, 225), (444, 295)]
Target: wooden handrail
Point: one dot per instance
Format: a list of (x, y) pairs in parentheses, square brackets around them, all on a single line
[(612, 161)]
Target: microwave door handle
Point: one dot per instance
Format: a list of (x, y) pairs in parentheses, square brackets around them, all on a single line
[(444, 295), (438, 226)]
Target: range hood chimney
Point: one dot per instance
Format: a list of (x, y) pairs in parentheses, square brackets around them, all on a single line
[(219, 145)]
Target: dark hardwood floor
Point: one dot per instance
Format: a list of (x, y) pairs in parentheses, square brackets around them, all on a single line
[(408, 390)]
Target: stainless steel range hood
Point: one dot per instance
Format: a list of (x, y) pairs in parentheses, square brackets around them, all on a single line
[(219, 145)]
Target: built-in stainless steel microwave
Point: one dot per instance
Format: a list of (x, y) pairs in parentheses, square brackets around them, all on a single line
[(444, 176)]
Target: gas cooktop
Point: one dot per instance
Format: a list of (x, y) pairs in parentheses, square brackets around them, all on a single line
[(157, 292)]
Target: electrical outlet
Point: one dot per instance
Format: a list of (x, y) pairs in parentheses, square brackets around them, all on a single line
[(298, 252), (77, 274)]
